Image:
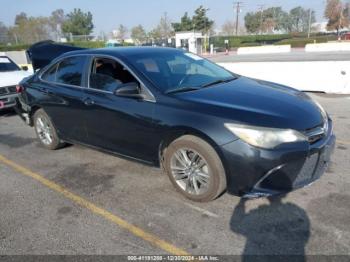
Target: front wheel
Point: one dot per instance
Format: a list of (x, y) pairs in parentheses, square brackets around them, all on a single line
[(45, 131), (195, 169)]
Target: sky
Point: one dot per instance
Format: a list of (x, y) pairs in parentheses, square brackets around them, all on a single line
[(108, 14)]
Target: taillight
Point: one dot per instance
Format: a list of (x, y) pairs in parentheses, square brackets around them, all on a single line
[(19, 89)]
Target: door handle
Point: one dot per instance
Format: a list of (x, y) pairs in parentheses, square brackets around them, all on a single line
[(89, 102)]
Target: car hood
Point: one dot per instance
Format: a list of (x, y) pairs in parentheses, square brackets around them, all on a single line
[(12, 78), (259, 103)]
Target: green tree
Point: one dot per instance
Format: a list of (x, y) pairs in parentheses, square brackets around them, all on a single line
[(78, 23), (300, 18), (273, 19), (138, 34), (252, 22), (337, 15), (186, 24), (200, 20), (276, 19)]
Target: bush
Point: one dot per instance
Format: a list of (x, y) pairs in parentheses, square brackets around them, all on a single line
[(248, 40), (88, 44), (302, 42), (83, 44), (4, 48)]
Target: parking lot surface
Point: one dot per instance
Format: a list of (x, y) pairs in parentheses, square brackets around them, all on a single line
[(80, 201)]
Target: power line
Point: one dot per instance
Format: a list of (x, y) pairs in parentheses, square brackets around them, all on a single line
[(237, 6)]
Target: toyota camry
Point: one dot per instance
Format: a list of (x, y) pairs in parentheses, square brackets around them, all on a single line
[(211, 131)]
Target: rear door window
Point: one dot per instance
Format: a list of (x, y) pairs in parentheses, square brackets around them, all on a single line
[(70, 70), (50, 74)]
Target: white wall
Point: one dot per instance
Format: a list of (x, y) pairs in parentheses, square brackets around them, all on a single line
[(329, 77), (269, 49), (328, 47)]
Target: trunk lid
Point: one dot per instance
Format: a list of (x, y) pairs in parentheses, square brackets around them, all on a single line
[(42, 53)]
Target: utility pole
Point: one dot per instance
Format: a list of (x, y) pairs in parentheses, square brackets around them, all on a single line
[(261, 8), (310, 15), (340, 20), (238, 6)]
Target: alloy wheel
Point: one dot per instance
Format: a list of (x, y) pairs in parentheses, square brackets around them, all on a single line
[(44, 130), (190, 171)]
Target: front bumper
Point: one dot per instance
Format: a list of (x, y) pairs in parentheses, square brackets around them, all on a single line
[(7, 101), (254, 172)]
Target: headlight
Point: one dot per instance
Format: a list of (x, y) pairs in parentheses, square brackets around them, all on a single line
[(323, 112), (265, 137), (324, 115)]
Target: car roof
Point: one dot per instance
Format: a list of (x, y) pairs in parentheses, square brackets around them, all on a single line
[(125, 51)]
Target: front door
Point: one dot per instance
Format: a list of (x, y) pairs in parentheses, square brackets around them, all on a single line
[(119, 124)]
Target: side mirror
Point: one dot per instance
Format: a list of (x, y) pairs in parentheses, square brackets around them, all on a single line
[(25, 68), (131, 90)]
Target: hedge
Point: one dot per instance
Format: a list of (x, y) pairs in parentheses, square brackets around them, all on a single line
[(249, 40), (302, 42), (4, 48), (296, 40)]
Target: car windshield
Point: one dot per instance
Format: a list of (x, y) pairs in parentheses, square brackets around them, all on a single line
[(6, 65), (178, 71)]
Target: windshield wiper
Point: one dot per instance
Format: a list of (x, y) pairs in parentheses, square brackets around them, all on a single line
[(226, 80), (182, 89), (192, 88)]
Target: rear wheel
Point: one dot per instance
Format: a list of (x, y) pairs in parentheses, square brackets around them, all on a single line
[(46, 131), (195, 168)]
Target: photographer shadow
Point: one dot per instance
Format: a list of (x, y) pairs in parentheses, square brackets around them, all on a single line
[(273, 231)]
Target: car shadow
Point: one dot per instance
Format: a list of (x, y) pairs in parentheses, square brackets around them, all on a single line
[(7, 113), (275, 230)]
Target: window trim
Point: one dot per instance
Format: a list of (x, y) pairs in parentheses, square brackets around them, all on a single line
[(48, 69), (86, 76)]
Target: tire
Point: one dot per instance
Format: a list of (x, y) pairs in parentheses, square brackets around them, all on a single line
[(184, 177), (45, 131)]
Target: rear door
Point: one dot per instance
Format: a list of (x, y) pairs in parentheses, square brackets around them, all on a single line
[(61, 95)]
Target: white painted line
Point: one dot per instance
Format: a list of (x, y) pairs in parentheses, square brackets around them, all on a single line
[(201, 210)]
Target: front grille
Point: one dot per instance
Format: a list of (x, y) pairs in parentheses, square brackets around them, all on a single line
[(12, 89), (7, 90), (3, 91), (317, 133)]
